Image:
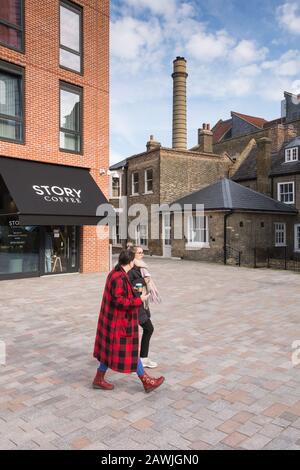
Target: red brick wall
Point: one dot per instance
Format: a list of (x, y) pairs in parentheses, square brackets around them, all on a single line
[(42, 75)]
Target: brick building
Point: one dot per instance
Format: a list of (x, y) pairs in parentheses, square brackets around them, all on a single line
[(54, 124), (259, 154)]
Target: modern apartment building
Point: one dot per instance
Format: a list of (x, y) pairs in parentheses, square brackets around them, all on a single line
[(54, 124)]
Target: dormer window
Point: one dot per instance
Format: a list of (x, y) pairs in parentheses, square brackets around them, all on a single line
[(291, 154)]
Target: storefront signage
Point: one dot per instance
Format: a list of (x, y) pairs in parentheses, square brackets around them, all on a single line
[(58, 194)]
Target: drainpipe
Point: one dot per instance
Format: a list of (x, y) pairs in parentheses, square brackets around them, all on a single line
[(225, 233)]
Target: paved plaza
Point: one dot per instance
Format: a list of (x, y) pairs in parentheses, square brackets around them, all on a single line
[(223, 339)]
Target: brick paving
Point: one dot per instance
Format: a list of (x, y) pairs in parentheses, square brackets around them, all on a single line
[(223, 339)]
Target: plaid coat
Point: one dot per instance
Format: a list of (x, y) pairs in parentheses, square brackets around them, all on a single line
[(117, 338)]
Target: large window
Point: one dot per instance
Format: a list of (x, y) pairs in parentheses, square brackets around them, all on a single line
[(70, 118), (11, 102), (197, 231), (70, 52), (11, 24), (280, 234), (286, 192)]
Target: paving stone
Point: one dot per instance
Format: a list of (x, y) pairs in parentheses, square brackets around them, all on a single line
[(232, 376)]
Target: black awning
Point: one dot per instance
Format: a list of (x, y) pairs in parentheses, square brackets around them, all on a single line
[(47, 194)]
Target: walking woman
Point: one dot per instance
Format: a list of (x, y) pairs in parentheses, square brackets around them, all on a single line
[(139, 274), (117, 338)]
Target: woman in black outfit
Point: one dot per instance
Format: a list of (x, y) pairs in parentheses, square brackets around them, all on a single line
[(144, 315)]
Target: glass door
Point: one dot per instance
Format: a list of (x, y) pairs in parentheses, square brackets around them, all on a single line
[(61, 249)]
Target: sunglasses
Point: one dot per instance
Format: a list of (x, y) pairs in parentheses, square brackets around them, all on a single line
[(139, 252)]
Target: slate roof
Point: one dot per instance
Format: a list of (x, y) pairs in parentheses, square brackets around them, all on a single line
[(255, 121), (228, 195), (248, 170), (118, 165)]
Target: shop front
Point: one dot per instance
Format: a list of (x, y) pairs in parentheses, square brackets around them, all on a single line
[(42, 210)]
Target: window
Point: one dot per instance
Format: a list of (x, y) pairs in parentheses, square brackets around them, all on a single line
[(70, 118), (135, 184), (148, 181), (291, 155), (70, 52), (116, 186), (286, 192), (197, 230), (11, 102), (11, 24), (116, 239), (141, 235), (280, 234), (297, 237)]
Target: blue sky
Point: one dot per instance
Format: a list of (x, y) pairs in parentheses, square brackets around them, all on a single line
[(241, 56)]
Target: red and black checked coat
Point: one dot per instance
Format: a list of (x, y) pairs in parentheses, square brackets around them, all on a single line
[(117, 338)]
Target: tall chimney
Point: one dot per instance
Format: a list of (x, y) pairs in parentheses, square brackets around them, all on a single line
[(263, 165), (179, 140)]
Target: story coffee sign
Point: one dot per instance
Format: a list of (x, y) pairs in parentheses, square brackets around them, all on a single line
[(58, 194)]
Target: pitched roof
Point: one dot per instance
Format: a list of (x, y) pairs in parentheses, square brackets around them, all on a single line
[(248, 169), (228, 195), (220, 129), (117, 166), (255, 121)]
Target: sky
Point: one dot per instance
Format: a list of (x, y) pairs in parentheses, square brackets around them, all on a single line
[(241, 56)]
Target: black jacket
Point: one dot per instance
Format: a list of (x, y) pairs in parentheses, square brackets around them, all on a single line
[(135, 277)]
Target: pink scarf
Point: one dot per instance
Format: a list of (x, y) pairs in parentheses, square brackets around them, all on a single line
[(150, 286)]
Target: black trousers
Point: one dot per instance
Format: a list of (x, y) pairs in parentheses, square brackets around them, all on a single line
[(147, 333)]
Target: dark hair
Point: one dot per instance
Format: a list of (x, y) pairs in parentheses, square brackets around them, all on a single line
[(125, 257)]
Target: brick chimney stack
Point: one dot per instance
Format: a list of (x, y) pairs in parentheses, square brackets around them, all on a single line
[(179, 140), (263, 164), (152, 144), (205, 139)]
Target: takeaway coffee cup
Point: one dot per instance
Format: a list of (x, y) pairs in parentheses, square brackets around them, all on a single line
[(139, 287)]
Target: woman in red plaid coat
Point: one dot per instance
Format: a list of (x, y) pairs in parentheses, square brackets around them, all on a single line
[(117, 338)]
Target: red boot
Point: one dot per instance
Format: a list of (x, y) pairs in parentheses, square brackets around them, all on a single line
[(150, 383), (99, 381)]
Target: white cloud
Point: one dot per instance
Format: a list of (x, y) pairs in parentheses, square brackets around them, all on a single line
[(157, 7), (206, 47), (246, 52), (130, 38), (288, 16), (146, 35), (287, 65)]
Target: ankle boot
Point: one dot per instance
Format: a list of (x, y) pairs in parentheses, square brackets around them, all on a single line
[(99, 381), (150, 383)]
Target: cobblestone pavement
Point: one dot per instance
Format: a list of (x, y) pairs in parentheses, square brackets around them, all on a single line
[(223, 339)]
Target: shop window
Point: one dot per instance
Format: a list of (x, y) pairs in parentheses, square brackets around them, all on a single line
[(70, 36), (70, 118), (11, 24)]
